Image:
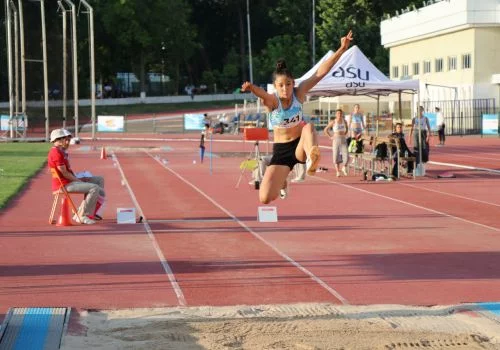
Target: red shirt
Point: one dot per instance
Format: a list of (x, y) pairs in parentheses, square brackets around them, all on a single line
[(58, 157)]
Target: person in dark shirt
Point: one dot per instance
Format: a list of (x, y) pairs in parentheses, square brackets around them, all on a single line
[(404, 151)]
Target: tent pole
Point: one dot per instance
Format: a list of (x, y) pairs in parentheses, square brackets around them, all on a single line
[(377, 117), (400, 107)]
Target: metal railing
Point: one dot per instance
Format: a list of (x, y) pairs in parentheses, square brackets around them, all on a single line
[(463, 117)]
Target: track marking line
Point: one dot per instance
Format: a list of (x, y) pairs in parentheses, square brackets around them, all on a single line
[(450, 194), (256, 235), (464, 155), (410, 204), (190, 220), (159, 253), (466, 167), (186, 230)]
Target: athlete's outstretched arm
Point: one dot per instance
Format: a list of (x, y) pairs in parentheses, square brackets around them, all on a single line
[(325, 67), (268, 100)]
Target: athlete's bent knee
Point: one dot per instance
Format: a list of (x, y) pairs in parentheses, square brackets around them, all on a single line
[(265, 199)]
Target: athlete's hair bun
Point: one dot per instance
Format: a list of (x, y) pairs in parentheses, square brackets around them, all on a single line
[(280, 65)]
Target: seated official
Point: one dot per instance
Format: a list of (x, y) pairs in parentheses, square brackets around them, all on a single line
[(92, 187)]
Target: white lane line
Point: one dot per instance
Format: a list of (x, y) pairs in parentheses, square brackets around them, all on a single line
[(466, 167), (449, 194), (164, 262), (256, 235), (190, 220), (455, 152), (410, 204)]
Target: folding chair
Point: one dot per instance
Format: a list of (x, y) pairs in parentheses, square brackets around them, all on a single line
[(62, 191), (254, 159)]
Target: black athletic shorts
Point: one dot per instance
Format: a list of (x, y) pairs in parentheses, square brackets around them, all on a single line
[(284, 154)]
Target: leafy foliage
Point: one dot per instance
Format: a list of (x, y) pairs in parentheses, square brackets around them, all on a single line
[(203, 41), (293, 49)]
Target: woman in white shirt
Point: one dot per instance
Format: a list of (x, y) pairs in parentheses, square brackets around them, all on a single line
[(339, 144)]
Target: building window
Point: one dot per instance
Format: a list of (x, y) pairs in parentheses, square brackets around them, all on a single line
[(427, 66), (416, 68), (438, 65), (466, 61), (395, 72), (452, 63), (405, 70)]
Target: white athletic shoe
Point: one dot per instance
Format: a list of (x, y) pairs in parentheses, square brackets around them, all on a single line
[(85, 220), (284, 191), (75, 218), (344, 171)]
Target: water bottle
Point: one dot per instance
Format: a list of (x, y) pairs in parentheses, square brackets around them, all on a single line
[(406, 154)]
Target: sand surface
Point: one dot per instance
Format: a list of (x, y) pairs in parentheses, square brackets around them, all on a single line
[(297, 326)]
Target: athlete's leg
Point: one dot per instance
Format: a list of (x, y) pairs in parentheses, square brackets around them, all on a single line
[(273, 181), (307, 150)]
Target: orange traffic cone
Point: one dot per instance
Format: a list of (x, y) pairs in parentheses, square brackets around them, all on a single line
[(103, 153), (64, 216)]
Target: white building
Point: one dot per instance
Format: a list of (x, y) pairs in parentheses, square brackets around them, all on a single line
[(451, 46)]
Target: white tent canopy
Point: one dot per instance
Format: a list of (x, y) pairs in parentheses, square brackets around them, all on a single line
[(354, 74)]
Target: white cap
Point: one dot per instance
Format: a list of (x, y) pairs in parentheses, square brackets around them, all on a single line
[(58, 133)]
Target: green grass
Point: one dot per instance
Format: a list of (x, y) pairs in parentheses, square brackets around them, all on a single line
[(19, 162)]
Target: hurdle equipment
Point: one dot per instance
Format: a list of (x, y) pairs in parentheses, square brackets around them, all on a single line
[(254, 159)]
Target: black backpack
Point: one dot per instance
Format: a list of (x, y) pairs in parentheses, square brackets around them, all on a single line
[(381, 151)]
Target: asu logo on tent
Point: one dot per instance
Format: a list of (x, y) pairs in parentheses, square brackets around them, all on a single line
[(354, 74), (351, 73)]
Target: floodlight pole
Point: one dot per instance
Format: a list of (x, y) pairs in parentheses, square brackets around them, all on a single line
[(75, 63), (9, 64), (23, 66), (8, 4), (65, 59), (249, 43), (16, 60), (90, 14), (45, 73), (313, 32)]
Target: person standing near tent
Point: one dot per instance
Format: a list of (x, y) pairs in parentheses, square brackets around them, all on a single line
[(293, 142), (440, 125), (420, 133), (339, 145), (356, 124)]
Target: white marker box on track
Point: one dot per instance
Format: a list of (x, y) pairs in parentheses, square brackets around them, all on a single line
[(267, 214), (125, 215)]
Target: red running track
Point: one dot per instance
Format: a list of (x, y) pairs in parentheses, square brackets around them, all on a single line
[(421, 242)]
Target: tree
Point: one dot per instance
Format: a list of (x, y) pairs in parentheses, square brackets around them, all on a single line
[(142, 27), (363, 17), (292, 48)]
